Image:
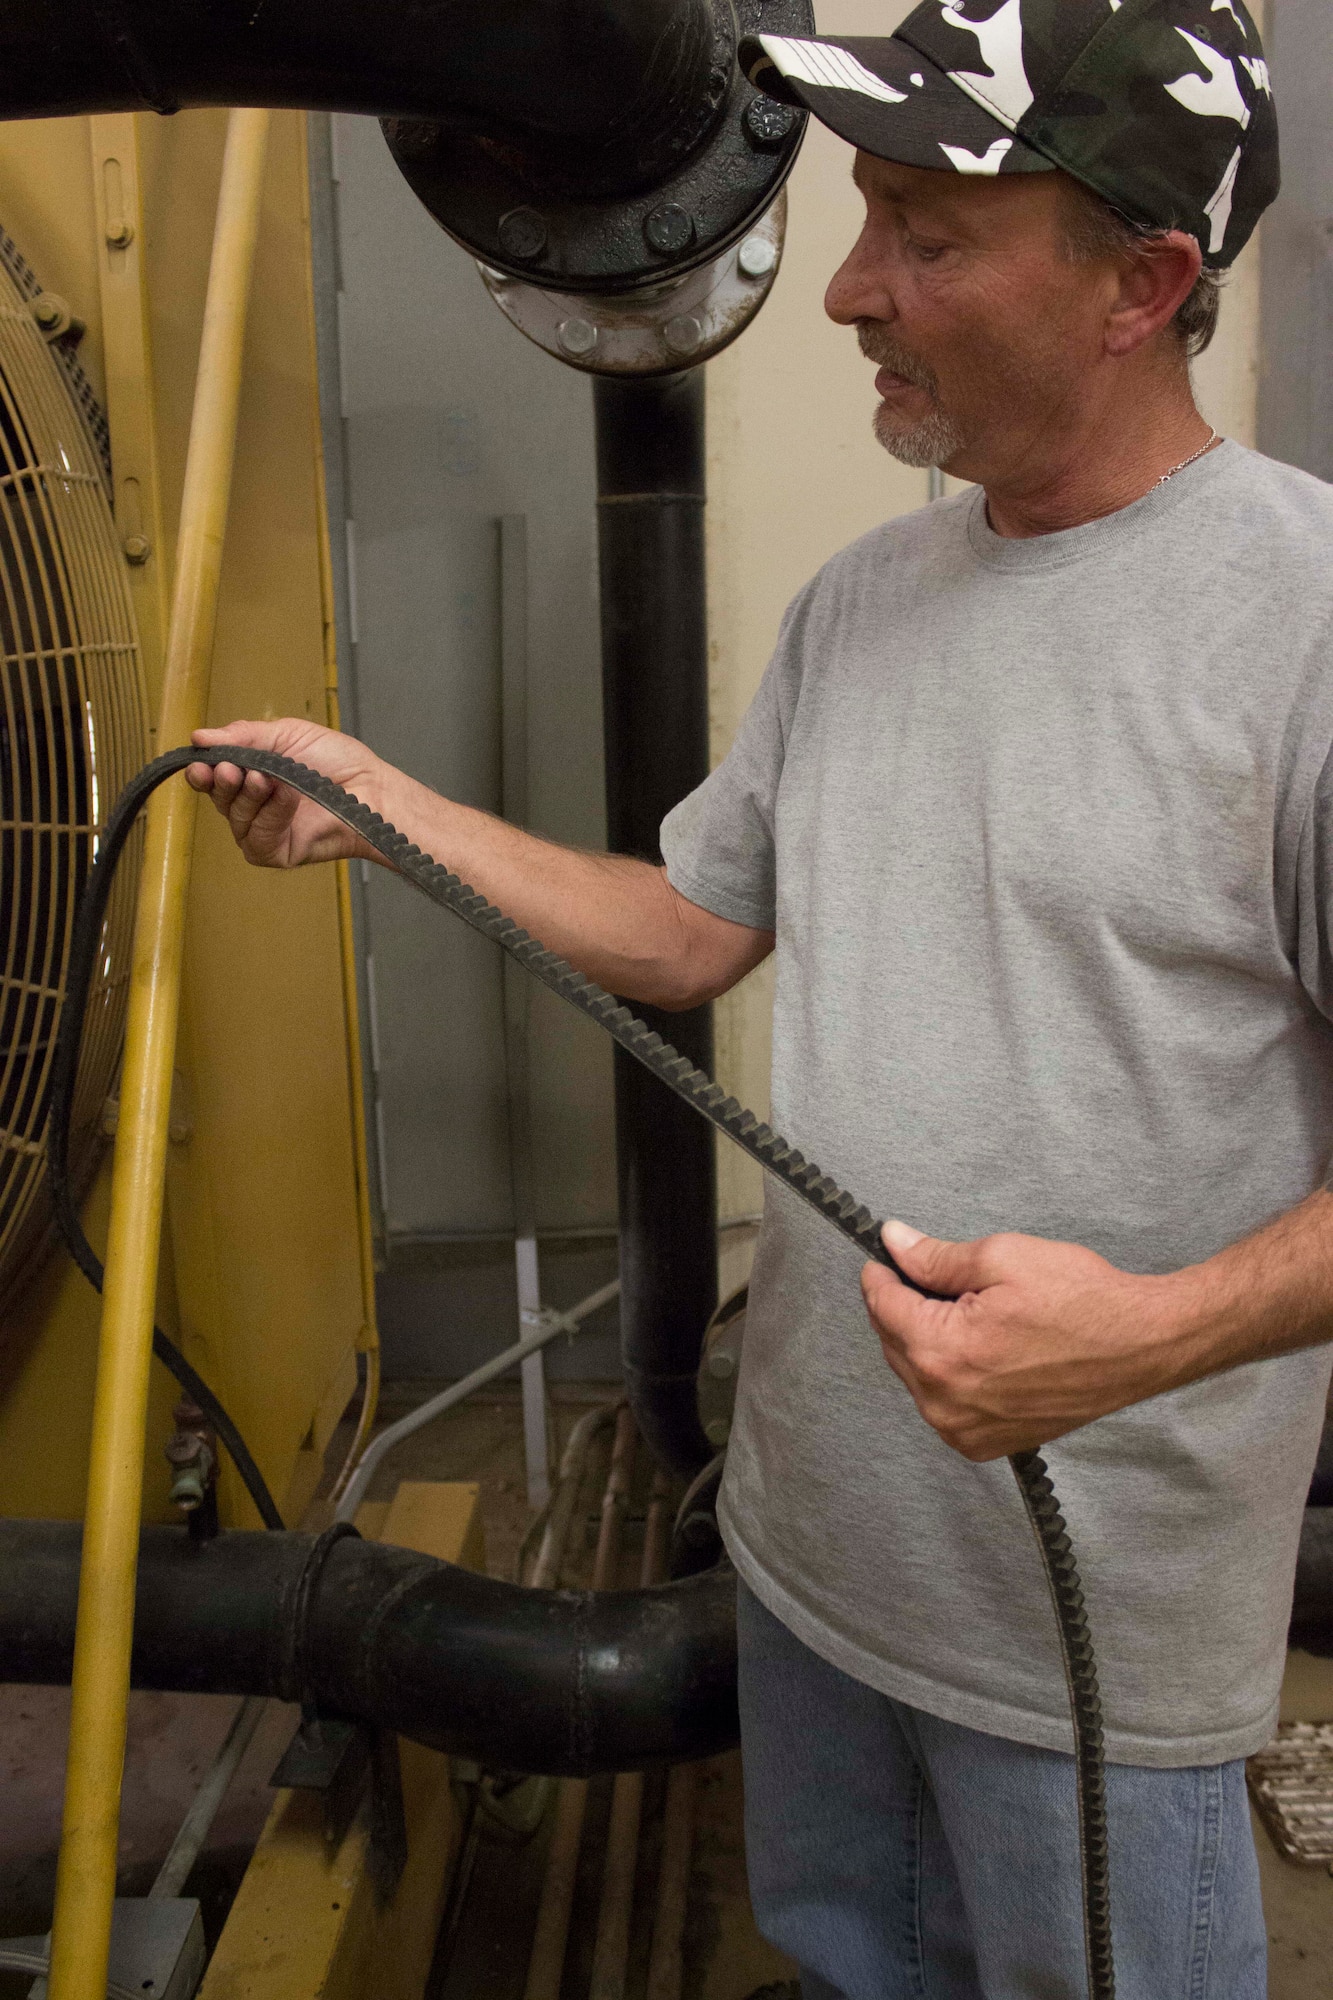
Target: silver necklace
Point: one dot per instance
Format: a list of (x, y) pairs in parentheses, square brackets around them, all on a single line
[(1214, 437)]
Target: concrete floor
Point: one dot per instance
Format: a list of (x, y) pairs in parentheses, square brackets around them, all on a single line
[(172, 1739)]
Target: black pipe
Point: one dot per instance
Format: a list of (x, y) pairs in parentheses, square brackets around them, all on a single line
[(571, 70), (650, 527), (1312, 1603), (563, 1682), (593, 144)]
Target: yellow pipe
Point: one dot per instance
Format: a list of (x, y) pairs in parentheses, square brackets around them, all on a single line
[(86, 1876), (368, 1340)]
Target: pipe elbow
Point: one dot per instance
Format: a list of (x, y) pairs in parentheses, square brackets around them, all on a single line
[(558, 1682), (564, 1683)]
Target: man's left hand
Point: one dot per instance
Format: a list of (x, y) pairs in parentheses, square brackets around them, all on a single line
[(1031, 1339)]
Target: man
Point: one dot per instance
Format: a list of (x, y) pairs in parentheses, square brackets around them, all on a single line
[(1035, 805)]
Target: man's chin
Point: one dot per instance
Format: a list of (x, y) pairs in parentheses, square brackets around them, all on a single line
[(933, 441)]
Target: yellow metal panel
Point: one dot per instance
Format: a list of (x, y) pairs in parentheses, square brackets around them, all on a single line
[(308, 1469), (370, 1518), (128, 372), (307, 1925), (48, 1356), (263, 1201), (443, 1521), (49, 1347), (46, 205), (263, 1244)]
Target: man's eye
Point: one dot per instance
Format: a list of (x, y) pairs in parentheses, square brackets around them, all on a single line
[(926, 253)]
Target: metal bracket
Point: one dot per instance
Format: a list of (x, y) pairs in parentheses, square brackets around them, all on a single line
[(334, 1758), (331, 1757), (157, 1949)]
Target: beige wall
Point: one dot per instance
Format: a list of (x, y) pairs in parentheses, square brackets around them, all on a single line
[(794, 474)]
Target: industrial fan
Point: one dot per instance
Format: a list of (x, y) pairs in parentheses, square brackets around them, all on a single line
[(72, 730)]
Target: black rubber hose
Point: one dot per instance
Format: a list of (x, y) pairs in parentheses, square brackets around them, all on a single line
[(784, 1162), (83, 952)]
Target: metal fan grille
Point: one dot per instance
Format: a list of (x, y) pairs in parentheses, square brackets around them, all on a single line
[(72, 730)]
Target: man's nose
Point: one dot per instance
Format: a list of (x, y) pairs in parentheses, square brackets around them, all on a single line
[(857, 291)]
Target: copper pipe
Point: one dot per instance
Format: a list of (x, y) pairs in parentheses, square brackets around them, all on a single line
[(673, 1886), (610, 1960), (551, 1936), (573, 1466)]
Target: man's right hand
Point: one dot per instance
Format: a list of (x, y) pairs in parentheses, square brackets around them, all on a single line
[(273, 826)]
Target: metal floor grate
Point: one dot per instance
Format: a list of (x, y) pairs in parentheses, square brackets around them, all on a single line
[(1291, 1783)]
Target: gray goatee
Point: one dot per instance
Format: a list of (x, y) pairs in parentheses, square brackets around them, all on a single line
[(933, 440)]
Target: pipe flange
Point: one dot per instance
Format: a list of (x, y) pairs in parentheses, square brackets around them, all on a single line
[(661, 328), (527, 212), (293, 1668)]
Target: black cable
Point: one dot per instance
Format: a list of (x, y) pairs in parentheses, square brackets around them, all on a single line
[(711, 1102), (84, 945)]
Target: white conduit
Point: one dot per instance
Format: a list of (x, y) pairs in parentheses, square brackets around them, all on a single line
[(198, 1821), (554, 1323)]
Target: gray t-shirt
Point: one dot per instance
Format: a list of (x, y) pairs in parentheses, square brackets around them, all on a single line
[(1045, 831)]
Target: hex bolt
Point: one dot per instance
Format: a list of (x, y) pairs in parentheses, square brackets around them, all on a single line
[(54, 316), (522, 234), (669, 230), (138, 548), (718, 1431), (722, 1364), (766, 123), (576, 336), (683, 333), (119, 235), (757, 256)]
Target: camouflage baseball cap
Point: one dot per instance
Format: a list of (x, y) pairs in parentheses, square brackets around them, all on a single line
[(1163, 107)]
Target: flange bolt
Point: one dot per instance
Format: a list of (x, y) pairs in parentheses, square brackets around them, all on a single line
[(757, 256), (669, 230), (522, 234), (683, 333), (767, 123), (577, 336)]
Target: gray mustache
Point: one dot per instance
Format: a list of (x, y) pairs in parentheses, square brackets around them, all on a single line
[(884, 351)]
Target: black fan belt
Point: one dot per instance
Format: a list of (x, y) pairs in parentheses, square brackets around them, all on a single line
[(704, 1096)]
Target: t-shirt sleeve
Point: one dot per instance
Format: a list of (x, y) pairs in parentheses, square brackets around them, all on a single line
[(1314, 896), (717, 844)]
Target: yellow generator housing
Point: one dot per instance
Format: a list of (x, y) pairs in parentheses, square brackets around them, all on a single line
[(266, 1278)]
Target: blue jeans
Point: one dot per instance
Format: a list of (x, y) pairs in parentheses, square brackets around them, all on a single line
[(898, 1857)]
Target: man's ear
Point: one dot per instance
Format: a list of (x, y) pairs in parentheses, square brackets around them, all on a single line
[(1156, 277)]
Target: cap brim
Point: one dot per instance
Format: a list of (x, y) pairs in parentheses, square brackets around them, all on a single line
[(885, 98)]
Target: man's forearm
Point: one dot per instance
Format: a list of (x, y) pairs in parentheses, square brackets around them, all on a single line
[(618, 919), (1269, 1294)]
